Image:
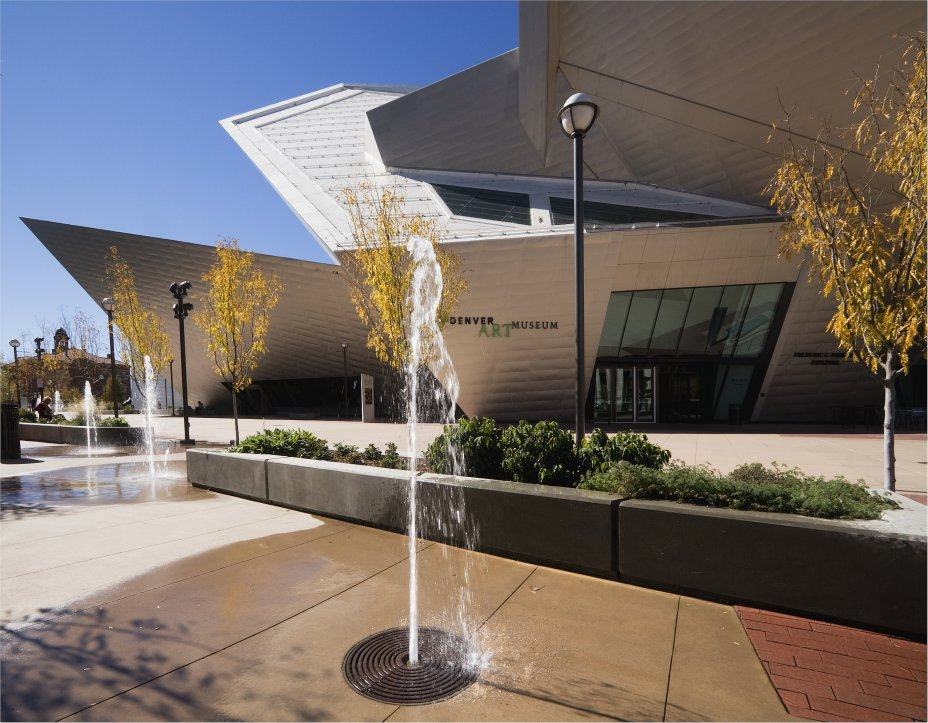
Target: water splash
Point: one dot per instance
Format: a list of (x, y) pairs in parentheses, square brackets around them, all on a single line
[(149, 415), (90, 418), (428, 354), (57, 406)]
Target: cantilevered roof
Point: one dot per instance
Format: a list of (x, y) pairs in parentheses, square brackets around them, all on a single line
[(688, 90), (313, 147)]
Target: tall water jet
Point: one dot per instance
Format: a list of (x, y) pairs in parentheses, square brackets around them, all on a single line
[(90, 419), (427, 351), (57, 407), (150, 414)]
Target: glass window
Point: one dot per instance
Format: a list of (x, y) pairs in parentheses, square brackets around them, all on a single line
[(695, 336), (640, 322), (735, 379), (614, 323), (605, 214), (726, 320), (757, 320), (484, 203), (669, 321)]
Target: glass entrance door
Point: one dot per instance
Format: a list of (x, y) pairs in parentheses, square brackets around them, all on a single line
[(623, 394)]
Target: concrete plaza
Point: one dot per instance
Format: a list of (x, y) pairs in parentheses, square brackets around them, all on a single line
[(856, 454), (124, 600)]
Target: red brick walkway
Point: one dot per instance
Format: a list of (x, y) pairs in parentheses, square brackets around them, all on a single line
[(835, 673)]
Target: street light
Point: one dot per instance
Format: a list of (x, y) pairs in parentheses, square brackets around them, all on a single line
[(181, 309), (171, 362), (108, 306), (15, 343), (345, 372), (577, 117), (39, 351)]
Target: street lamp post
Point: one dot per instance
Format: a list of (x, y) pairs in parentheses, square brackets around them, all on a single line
[(181, 309), (577, 117), (15, 343), (171, 363), (345, 372), (39, 351), (109, 305)]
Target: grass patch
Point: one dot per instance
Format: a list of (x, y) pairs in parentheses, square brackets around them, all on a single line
[(749, 487)]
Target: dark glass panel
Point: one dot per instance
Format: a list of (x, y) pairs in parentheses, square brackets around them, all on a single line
[(726, 319), (596, 213), (641, 313), (645, 393), (602, 395), (737, 377), (614, 323), (669, 321), (624, 395), (757, 320), (695, 336), (486, 204)]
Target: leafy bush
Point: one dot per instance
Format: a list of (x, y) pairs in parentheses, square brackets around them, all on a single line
[(542, 453), (112, 422), (391, 458), (286, 442), (479, 442), (749, 487), (598, 451), (27, 415), (306, 445), (372, 454)]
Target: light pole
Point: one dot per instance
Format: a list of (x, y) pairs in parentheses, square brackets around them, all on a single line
[(345, 372), (15, 343), (171, 363), (577, 117), (39, 351), (108, 306), (181, 309)]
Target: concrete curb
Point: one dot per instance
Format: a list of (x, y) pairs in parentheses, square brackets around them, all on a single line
[(68, 434), (835, 570)]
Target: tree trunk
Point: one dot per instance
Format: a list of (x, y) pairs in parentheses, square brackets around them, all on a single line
[(889, 421), (235, 411)]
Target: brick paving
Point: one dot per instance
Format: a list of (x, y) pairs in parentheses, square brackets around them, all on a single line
[(835, 673)]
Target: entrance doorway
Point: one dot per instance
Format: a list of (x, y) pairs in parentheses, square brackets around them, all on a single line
[(624, 394)]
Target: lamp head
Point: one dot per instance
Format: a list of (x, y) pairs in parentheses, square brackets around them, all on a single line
[(179, 290), (578, 115), (15, 343), (344, 345), (108, 303)]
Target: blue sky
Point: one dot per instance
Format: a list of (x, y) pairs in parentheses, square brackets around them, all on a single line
[(111, 110)]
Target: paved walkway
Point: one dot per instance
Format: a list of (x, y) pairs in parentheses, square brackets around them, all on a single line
[(125, 600), (833, 673), (814, 450)]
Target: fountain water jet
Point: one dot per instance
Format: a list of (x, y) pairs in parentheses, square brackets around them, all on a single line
[(89, 417), (57, 407), (149, 415)]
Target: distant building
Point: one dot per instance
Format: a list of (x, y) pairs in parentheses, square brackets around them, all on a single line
[(692, 317)]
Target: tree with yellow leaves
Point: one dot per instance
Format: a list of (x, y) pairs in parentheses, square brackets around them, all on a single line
[(139, 329), (235, 315), (379, 269), (854, 200)]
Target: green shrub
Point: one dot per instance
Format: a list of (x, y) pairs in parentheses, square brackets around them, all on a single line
[(542, 453), (598, 451), (27, 415), (347, 453), (112, 422), (478, 441), (749, 487), (391, 458), (286, 442), (372, 454)]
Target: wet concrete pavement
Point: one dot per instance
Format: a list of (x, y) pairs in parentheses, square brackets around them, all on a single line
[(127, 600)]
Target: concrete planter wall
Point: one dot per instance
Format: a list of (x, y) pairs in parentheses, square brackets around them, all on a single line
[(825, 568), (565, 528), (66, 434), (830, 569)]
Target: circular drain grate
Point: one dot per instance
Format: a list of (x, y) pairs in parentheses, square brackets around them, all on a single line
[(376, 667)]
